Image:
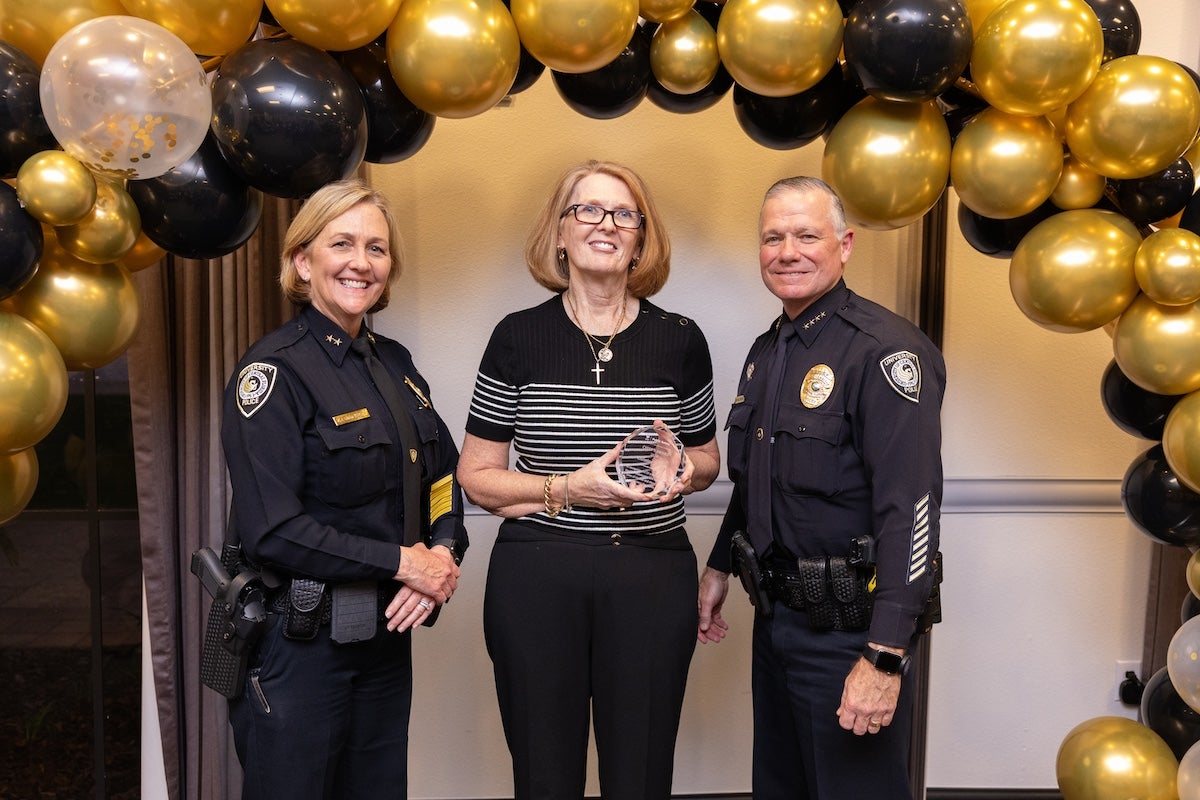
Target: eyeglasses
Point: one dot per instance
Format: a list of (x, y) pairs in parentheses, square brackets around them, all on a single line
[(594, 215)]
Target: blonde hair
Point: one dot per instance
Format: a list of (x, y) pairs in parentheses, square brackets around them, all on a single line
[(324, 206), (541, 246)]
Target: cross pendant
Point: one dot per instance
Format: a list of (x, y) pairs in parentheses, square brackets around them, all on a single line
[(597, 370)]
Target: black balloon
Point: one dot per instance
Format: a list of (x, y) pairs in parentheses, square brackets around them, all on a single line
[(21, 243), (200, 209), (1121, 26), (287, 117), (784, 123), (1158, 196), (1190, 218), (707, 97), (999, 237), (396, 129), (23, 128), (1132, 408), (851, 95), (529, 69), (1189, 608), (614, 89), (1158, 503), (907, 50), (1163, 711)]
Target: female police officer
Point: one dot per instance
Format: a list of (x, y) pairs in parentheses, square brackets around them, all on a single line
[(340, 473)]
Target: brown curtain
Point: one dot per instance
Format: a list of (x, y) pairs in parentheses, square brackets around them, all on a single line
[(197, 318), (1164, 605)]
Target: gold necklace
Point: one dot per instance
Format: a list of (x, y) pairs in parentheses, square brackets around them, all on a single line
[(605, 352)]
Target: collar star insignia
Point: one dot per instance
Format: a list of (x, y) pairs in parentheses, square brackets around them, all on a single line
[(814, 320), (334, 340)]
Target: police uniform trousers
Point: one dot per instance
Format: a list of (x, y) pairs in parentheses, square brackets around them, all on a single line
[(578, 623), (325, 721), (800, 750)]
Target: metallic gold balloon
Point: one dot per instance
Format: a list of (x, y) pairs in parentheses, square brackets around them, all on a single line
[(1003, 165), (334, 24), (889, 161), (575, 36), (1181, 442), (1193, 572), (144, 253), (1167, 266), (1115, 758), (110, 229), (1033, 56), (89, 311), (1158, 346), (18, 479), (664, 10), (778, 48), (34, 26), (1138, 116), (208, 27), (56, 188), (33, 383), (453, 58), (1074, 271), (683, 53), (1078, 186)]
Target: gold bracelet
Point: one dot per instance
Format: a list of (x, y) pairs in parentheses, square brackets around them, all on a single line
[(551, 509), (567, 493)]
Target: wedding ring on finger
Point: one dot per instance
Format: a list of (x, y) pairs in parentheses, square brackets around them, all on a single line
[(424, 604)]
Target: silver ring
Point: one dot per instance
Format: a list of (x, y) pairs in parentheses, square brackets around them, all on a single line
[(424, 604)]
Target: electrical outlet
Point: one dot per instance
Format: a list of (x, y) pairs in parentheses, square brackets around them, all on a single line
[(1119, 676)]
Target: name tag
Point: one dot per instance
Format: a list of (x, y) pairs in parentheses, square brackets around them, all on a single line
[(351, 416)]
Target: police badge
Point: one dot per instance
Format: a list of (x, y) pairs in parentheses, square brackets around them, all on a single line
[(817, 386), (903, 372), (254, 385)]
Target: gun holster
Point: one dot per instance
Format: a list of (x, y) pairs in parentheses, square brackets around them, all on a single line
[(236, 620), (747, 567)]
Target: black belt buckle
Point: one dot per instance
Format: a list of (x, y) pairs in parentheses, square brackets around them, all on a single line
[(355, 612)]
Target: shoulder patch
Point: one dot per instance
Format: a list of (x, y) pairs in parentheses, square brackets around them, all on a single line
[(254, 386), (902, 370)]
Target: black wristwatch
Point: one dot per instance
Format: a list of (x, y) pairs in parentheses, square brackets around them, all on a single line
[(452, 546), (886, 660)]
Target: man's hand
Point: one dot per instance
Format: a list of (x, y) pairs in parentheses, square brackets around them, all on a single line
[(868, 698), (714, 586)]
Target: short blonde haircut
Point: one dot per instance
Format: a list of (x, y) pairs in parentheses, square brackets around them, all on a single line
[(323, 207), (541, 247)]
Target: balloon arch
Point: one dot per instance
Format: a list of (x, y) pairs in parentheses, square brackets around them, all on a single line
[(1071, 154)]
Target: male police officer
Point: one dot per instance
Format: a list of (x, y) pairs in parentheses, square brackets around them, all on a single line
[(835, 453)]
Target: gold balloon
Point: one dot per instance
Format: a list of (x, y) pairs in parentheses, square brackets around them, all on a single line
[(1158, 347), (207, 27), (778, 48), (1078, 186), (36, 25), (683, 54), (18, 479), (33, 383), (889, 161), (575, 36), (1003, 165), (144, 253), (453, 58), (1193, 573), (1115, 758), (89, 311), (56, 188), (1138, 116), (110, 229), (1167, 266), (334, 24), (664, 10), (1033, 56), (1181, 443), (1074, 271)]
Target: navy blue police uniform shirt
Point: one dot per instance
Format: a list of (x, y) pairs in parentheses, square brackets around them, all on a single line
[(314, 456), (857, 449)]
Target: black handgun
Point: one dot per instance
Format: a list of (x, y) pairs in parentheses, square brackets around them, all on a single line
[(236, 619), (747, 568)]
